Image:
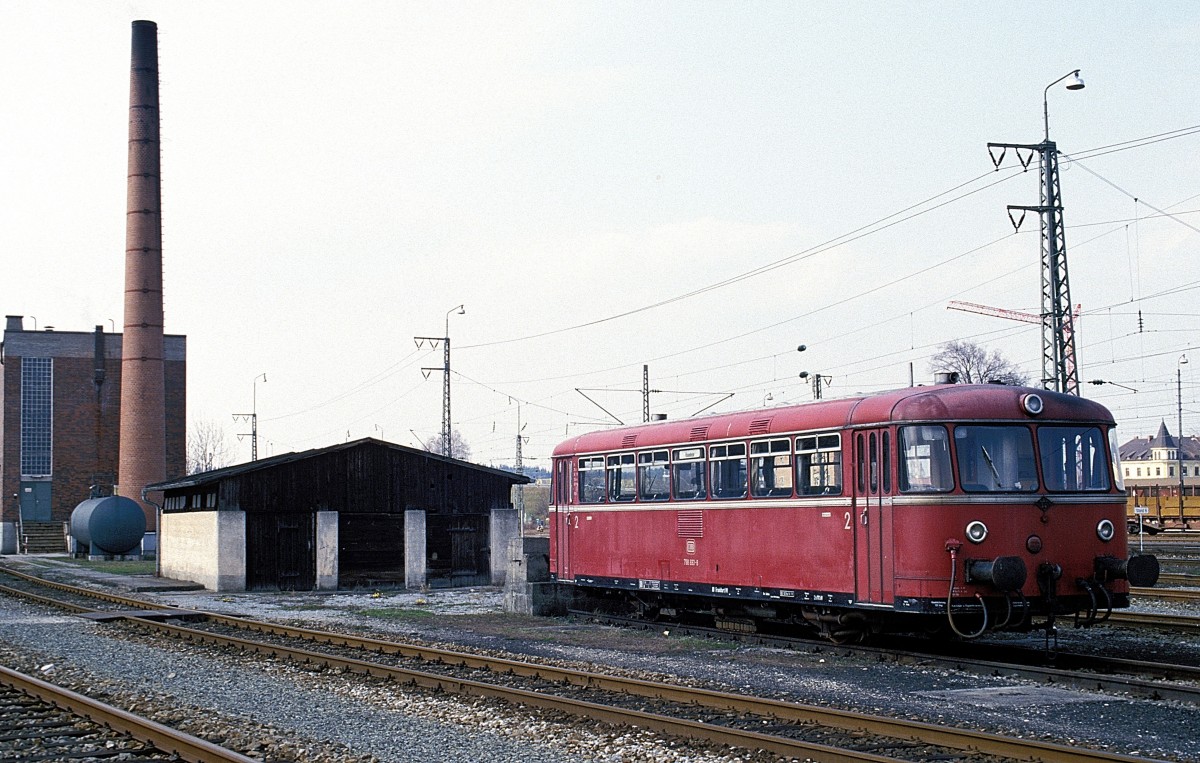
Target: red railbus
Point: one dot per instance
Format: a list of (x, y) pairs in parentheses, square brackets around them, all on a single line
[(968, 507)]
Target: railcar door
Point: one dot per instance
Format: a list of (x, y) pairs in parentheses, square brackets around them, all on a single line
[(559, 526), (873, 509)]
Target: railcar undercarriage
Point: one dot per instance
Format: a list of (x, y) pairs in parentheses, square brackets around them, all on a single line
[(1089, 601)]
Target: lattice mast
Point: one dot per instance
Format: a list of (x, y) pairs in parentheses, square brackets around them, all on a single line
[(1059, 367)]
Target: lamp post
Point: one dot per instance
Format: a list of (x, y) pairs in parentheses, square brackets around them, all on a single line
[(445, 369), (1059, 367), (252, 417), (1183, 359), (1076, 83)]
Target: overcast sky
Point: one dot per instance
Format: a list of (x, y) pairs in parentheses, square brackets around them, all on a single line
[(694, 186)]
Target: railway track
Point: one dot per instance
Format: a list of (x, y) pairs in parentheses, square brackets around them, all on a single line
[(730, 719), (1083, 671), (43, 722), (1167, 594)]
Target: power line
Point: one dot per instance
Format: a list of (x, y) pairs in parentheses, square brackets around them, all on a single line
[(846, 238)]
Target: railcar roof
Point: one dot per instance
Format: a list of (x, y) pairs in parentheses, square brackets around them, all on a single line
[(943, 402)]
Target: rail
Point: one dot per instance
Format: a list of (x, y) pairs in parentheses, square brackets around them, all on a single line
[(681, 700), (162, 738)]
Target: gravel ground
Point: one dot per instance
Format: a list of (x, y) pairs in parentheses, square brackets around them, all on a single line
[(332, 716)]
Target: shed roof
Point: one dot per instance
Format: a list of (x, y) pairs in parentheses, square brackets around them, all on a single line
[(216, 475)]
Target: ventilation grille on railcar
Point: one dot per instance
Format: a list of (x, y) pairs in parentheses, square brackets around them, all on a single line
[(690, 524)]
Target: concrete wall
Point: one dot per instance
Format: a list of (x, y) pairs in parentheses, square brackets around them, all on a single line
[(206, 547), (327, 550)]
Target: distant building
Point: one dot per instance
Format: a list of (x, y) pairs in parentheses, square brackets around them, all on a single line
[(1150, 466), (60, 412)]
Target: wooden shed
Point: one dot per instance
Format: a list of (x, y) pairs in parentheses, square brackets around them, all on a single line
[(363, 513)]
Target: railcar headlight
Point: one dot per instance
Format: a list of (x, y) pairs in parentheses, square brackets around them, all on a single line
[(1032, 403), (977, 532), (1033, 544), (1105, 530)]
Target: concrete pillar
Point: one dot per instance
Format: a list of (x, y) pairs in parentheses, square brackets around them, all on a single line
[(8, 537), (231, 550), (503, 528), (327, 550), (528, 590), (414, 548)]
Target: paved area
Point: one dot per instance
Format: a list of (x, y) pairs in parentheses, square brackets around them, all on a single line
[(63, 567)]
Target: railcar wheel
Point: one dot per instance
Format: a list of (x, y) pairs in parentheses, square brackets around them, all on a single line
[(847, 637)]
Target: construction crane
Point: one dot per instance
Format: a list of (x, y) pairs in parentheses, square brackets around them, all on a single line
[(1068, 328)]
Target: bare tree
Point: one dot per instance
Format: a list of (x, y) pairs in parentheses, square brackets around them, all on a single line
[(458, 446), (208, 447), (975, 365)]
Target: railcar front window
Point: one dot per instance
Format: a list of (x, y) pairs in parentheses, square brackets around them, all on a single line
[(1073, 458), (925, 460), (687, 472), (728, 470), (995, 459), (591, 480), (771, 468), (1115, 450), (652, 476), (622, 479), (819, 464)]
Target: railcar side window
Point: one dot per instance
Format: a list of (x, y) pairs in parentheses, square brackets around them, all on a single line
[(925, 459), (771, 468), (1073, 458), (995, 459), (687, 465), (622, 479), (652, 476), (728, 470), (819, 465), (591, 480)]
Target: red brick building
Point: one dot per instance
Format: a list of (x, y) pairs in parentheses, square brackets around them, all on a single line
[(60, 413)]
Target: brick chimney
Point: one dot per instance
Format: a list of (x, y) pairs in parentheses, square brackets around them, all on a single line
[(142, 457)]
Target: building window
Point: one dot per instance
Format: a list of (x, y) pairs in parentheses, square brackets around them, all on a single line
[(37, 416), (1158, 471), (1170, 471)]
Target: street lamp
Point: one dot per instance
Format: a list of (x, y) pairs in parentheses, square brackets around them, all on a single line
[(445, 369), (1183, 359), (460, 310), (252, 417), (1076, 83)]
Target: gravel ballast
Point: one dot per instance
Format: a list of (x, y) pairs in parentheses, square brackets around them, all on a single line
[(332, 717)]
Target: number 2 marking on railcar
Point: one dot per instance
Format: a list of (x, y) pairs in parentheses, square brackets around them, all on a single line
[(846, 516)]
